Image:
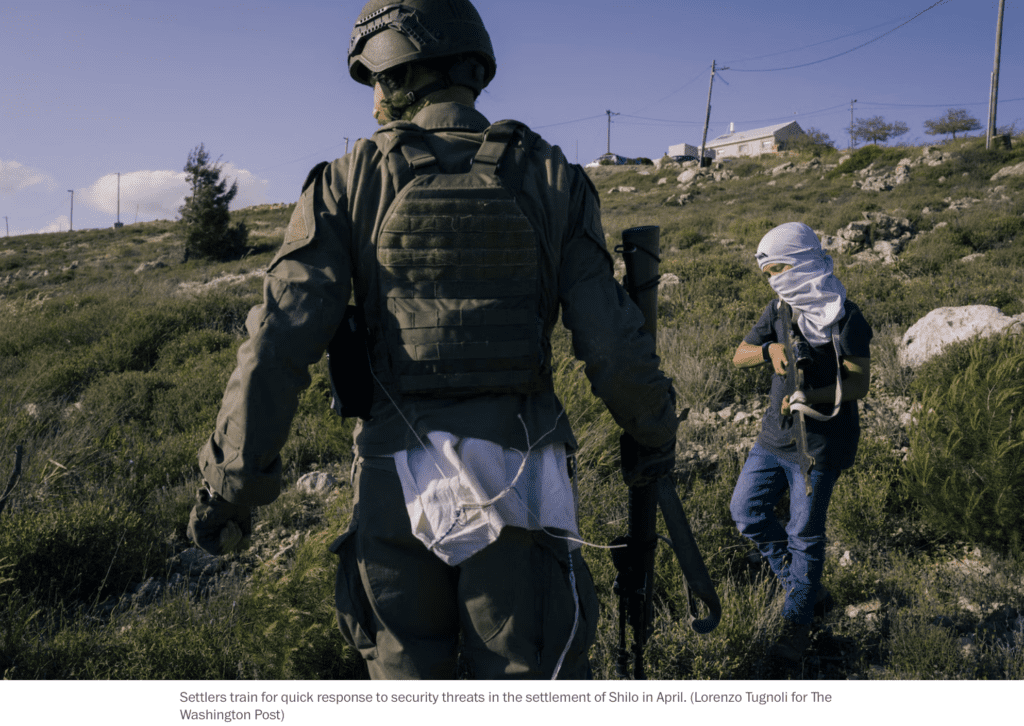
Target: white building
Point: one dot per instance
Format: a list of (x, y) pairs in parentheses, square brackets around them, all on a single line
[(755, 142), (689, 150)]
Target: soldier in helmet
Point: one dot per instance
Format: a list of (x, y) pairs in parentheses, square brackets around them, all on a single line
[(460, 241)]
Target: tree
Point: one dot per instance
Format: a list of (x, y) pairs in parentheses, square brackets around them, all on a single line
[(813, 140), (956, 120), (205, 216), (876, 130)]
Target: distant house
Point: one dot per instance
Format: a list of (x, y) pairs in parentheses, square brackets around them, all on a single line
[(755, 142), (689, 150)]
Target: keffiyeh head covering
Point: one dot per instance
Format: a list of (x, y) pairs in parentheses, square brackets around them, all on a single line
[(815, 294)]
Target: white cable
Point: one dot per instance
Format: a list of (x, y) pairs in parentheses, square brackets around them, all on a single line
[(575, 620), (798, 400)]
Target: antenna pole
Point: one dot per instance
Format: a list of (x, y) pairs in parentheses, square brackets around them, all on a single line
[(707, 116), (993, 95), (851, 121)]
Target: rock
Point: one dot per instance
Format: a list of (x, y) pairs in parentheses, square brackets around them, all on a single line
[(928, 336), (669, 279), (196, 562), (865, 608), (782, 168), (1015, 170), (846, 560), (886, 235), (622, 190), (687, 176), (146, 266), (961, 204), (316, 481)]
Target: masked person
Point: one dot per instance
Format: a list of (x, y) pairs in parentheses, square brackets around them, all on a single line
[(460, 242), (835, 338)]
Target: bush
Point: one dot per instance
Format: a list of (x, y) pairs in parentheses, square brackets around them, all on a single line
[(865, 156), (78, 554), (966, 466), (815, 141)]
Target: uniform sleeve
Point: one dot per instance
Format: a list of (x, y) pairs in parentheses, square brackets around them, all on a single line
[(764, 330), (304, 295), (855, 336), (620, 360)]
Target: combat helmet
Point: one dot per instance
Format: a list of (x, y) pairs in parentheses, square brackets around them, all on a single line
[(389, 34)]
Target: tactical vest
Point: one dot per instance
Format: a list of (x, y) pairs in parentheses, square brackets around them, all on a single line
[(458, 274)]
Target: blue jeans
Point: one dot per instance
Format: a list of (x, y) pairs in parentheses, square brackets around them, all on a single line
[(795, 553)]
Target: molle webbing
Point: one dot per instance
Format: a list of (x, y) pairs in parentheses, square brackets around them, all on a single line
[(459, 279)]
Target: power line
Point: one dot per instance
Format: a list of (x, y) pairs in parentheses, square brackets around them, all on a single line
[(563, 123), (652, 103), (812, 45), (845, 52), (661, 120), (307, 156)]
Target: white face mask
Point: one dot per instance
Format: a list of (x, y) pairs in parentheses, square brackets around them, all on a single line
[(815, 294)]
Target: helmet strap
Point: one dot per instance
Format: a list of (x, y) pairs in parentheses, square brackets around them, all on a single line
[(396, 96)]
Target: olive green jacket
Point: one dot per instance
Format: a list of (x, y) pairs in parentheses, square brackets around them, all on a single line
[(328, 256)]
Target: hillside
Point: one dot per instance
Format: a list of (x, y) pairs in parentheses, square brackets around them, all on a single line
[(114, 355)]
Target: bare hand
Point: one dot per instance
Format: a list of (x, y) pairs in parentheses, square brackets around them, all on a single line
[(777, 353)]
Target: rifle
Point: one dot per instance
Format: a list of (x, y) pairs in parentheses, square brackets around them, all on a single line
[(633, 554), (797, 357)]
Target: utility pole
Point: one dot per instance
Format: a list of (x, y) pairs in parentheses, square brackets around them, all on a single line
[(993, 95), (71, 220), (609, 129), (7, 224), (707, 116), (851, 121), (117, 224)]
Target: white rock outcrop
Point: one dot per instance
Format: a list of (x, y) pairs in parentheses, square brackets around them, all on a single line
[(1015, 170), (316, 481), (928, 336)]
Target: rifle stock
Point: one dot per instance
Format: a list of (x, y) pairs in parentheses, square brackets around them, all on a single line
[(634, 559)]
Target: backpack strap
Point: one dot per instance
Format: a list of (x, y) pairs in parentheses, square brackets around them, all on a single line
[(504, 151), (414, 157)]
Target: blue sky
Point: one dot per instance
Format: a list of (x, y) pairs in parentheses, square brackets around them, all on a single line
[(90, 89)]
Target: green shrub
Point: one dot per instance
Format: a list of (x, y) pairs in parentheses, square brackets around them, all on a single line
[(966, 465), (869, 498), (867, 155), (81, 552), (923, 650)]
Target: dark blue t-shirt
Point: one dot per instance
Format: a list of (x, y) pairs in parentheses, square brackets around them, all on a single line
[(832, 443)]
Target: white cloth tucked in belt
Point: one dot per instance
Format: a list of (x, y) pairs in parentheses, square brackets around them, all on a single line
[(461, 492)]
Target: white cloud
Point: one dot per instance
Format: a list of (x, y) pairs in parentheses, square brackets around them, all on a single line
[(251, 189), (15, 176), (61, 224), (159, 194)]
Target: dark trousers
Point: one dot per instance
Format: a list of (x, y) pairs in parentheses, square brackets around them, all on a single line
[(509, 608)]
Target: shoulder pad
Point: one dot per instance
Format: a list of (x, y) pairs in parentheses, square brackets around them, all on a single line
[(313, 174)]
